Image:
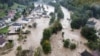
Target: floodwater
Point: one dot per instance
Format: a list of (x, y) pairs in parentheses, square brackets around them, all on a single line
[(74, 36), (33, 39)]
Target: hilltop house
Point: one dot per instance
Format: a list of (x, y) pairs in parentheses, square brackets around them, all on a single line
[(2, 41)]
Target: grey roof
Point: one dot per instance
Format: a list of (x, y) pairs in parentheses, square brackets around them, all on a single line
[(25, 19), (2, 40), (91, 22), (16, 24), (86, 53), (2, 23)]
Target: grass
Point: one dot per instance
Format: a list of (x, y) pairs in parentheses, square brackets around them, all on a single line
[(2, 13), (15, 6), (4, 30)]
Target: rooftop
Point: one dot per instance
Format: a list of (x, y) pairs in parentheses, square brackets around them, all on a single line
[(86, 53), (16, 24)]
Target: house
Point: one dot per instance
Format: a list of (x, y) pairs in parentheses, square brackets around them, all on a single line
[(91, 24), (2, 24), (86, 53), (17, 26), (11, 13), (44, 13), (7, 19), (19, 10), (39, 9), (2, 41), (25, 20)]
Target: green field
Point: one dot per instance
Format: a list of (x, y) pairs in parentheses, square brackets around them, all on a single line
[(4, 30), (2, 13), (15, 6)]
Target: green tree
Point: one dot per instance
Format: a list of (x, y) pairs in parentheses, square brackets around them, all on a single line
[(46, 47), (89, 33), (19, 48), (66, 43), (47, 34), (72, 46)]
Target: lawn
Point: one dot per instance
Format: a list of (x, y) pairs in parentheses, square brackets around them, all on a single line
[(2, 13), (15, 6), (4, 30)]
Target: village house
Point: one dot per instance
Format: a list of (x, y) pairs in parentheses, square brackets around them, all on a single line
[(91, 24), (25, 20), (17, 26), (2, 24), (11, 13), (7, 19)]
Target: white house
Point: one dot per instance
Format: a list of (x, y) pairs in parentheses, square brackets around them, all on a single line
[(8, 20), (17, 26), (25, 20)]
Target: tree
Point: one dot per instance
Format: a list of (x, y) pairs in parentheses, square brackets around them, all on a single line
[(66, 43), (59, 11), (47, 34), (35, 25), (56, 27), (60, 14), (46, 47), (52, 18), (29, 26), (72, 46), (24, 12), (19, 48), (17, 15), (76, 24), (38, 52), (78, 20), (89, 33)]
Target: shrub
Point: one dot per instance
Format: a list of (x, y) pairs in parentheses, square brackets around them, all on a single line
[(47, 34), (46, 47), (66, 43), (29, 26), (72, 46), (19, 48), (56, 27), (9, 45), (52, 19), (27, 31), (34, 25), (37, 52), (23, 53), (89, 33)]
